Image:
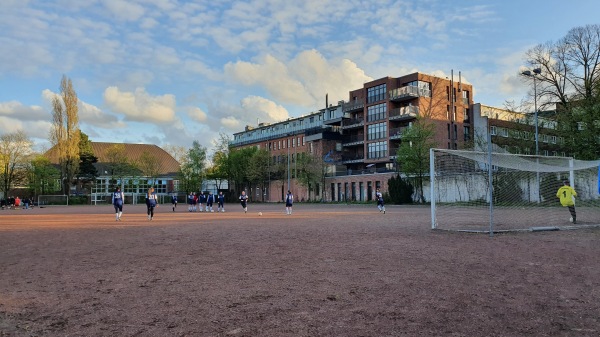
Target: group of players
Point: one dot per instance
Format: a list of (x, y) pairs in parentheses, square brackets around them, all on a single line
[(204, 202), (200, 202)]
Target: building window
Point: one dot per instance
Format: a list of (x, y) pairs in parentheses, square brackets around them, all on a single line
[(455, 133), (376, 112), (376, 93), (467, 133), (377, 150), (493, 130), (503, 132), (377, 131)]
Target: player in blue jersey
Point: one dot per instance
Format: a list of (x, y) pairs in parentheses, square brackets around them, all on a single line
[(201, 201), (221, 202), (289, 201), (117, 200), (151, 202), (210, 198), (379, 198), (190, 200), (244, 201), (174, 201)]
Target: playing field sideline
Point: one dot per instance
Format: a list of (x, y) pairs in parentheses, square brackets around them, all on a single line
[(326, 270)]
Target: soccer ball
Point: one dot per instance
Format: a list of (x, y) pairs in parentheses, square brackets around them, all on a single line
[(571, 219), (259, 213)]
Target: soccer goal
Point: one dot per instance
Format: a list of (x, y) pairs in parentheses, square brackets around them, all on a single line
[(53, 200), (493, 192)]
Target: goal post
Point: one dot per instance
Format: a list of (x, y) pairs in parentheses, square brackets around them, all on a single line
[(53, 200), (493, 192)]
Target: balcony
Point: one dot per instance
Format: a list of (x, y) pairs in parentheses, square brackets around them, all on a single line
[(396, 133), (406, 112), (358, 158), (354, 140), (408, 93), (352, 106), (353, 123)]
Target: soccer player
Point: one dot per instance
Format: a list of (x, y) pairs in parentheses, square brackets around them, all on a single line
[(379, 198), (117, 200), (221, 202), (201, 200), (190, 199), (244, 201), (567, 198), (289, 201), (210, 198), (151, 202), (174, 201)]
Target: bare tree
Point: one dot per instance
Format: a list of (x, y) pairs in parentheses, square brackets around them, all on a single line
[(64, 134), (15, 149), (570, 81)]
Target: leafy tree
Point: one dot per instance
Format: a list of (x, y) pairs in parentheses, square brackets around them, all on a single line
[(310, 171), (87, 159), (14, 151), (191, 173), (43, 176), (149, 165), (218, 170), (237, 167), (119, 164), (570, 78), (256, 173), (64, 134), (413, 152)]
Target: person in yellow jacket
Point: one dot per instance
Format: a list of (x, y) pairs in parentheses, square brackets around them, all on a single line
[(567, 198)]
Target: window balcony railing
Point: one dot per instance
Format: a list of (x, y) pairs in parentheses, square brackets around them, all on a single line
[(354, 139), (353, 123), (356, 105), (357, 158), (408, 93), (404, 112), (396, 133)]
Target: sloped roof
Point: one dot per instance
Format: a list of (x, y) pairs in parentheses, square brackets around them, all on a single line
[(168, 165)]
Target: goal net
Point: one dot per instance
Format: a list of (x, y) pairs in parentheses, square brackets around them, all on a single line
[(494, 192), (53, 200)]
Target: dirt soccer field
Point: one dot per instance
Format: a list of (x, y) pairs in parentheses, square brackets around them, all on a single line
[(325, 270)]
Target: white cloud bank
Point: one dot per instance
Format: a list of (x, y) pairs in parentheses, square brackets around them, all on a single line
[(140, 106)]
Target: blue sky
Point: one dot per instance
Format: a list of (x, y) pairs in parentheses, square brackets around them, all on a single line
[(168, 72)]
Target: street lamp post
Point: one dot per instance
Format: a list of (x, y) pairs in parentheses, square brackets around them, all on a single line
[(534, 74), (288, 160)]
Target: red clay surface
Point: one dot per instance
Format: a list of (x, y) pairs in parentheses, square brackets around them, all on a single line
[(326, 270)]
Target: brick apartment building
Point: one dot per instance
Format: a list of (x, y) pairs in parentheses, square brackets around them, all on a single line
[(358, 138)]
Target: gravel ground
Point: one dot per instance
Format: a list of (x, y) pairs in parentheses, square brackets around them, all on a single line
[(326, 270)]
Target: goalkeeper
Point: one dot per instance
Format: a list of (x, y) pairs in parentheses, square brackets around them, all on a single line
[(567, 198)]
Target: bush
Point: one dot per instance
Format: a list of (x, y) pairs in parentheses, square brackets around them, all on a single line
[(400, 191)]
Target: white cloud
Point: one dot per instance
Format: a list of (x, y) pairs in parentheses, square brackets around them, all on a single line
[(303, 81), (263, 109), (141, 106), (124, 10), (231, 123), (197, 114)]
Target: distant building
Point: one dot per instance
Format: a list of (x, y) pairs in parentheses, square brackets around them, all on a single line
[(515, 131), (134, 184), (358, 139)]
